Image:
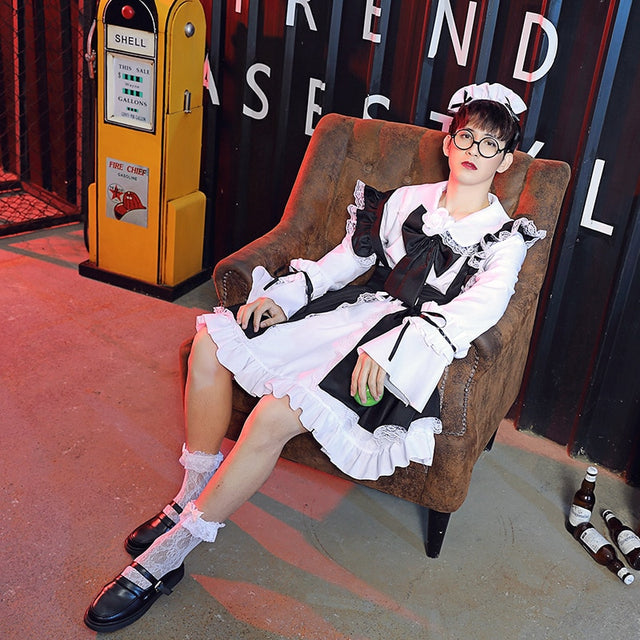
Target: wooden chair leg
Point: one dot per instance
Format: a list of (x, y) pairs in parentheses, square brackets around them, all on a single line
[(436, 528)]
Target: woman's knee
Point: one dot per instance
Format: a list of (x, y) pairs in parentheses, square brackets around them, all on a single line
[(274, 421), (203, 358)]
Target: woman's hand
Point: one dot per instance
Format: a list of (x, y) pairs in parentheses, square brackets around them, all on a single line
[(367, 372), (261, 308)]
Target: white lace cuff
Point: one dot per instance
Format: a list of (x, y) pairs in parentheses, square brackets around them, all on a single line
[(199, 461), (191, 520)]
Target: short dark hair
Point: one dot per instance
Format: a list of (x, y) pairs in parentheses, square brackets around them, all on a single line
[(490, 116)]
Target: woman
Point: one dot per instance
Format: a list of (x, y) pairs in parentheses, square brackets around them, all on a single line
[(357, 366)]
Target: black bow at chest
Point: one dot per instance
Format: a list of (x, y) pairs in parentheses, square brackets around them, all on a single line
[(407, 279)]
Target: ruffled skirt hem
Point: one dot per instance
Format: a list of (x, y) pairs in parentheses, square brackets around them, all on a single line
[(358, 453)]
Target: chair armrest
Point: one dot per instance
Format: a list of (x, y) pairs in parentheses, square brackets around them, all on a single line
[(232, 275), (480, 388), (274, 250), (490, 344)]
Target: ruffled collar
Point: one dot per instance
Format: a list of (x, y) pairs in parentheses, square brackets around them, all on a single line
[(468, 230)]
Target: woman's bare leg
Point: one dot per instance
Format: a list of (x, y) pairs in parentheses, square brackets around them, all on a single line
[(268, 428), (207, 414), (208, 408), (207, 397)]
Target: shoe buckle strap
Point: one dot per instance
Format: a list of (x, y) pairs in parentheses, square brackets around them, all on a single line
[(158, 585), (162, 587)]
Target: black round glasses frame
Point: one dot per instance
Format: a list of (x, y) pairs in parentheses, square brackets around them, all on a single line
[(457, 141)]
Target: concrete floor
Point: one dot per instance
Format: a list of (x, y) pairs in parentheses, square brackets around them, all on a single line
[(91, 429)]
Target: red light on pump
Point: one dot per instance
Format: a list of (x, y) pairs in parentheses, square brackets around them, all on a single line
[(128, 12)]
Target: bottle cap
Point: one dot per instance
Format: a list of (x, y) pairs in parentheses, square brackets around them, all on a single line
[(592, 472), (625, 576)]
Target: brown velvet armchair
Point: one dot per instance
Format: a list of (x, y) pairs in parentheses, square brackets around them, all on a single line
[(476, 391)]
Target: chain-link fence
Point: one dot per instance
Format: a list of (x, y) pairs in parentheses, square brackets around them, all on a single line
[(46, 111)]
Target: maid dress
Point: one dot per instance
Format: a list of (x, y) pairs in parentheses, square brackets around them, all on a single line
[(438, 284)]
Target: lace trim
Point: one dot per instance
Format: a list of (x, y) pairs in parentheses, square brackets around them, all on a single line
[(458, 248), (200, 461), (530, 234), (389, 433), (358, 194), (477, 253), (352, 222), (442, 385), (530, 229), (470, 282), (222, 310), (363, 298), (191, 520), (368, 261), (378, 296)]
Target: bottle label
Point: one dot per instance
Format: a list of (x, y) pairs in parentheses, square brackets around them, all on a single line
[(578, 515), (628, 541), (593, 540)]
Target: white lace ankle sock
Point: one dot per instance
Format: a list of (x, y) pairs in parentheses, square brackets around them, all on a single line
[(199, 467), (169, 550)]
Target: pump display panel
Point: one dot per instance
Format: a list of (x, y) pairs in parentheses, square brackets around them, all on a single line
[(130, 78)]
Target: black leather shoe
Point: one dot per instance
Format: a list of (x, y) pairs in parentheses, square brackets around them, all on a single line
[(122, 602), (146, 534)]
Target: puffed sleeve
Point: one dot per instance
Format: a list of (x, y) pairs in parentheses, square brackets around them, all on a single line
[(309, 278)]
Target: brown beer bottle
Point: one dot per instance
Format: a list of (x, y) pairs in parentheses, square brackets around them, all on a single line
[(583, 501), (601, 550), (625, 538)]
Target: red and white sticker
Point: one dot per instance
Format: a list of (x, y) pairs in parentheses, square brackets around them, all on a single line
[(127, 192)]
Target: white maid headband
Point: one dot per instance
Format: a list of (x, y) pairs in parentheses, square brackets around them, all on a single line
[(486, 91)]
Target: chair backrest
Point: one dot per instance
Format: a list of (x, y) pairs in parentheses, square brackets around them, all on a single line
[(388, 155), (385, 155), (479, 389)]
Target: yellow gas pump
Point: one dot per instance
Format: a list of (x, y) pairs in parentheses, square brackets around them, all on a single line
[(146, 215)]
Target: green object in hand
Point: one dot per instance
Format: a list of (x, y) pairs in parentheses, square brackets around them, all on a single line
[(369, 401)]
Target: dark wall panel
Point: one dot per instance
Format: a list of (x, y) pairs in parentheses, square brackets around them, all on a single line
[(279, 65)]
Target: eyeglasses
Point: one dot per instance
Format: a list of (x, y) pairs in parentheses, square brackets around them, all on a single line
[(487, 147)]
